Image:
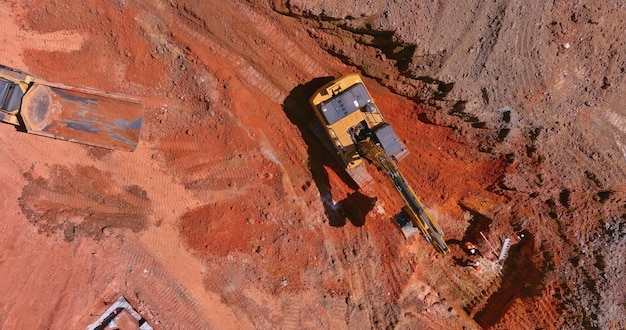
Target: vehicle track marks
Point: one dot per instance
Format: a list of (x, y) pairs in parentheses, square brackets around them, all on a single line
[(526, 50), (518, 316), (338, 313), (210, 51), (146, 271), (291, 312), (212, 179), (547, 307), (285, 45), (14, 38), (473, 289), (616, 119)]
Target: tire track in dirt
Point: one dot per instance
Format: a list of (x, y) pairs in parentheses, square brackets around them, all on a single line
[(213, 54), (478, 26), (180, 310), (263, 312), (174, 300), (282, 49), (355, 264), (231, 279), (291, 312), (14, 142), (312, 314), (466, 286), (600, 166), (241, 66), (149, 172), (549, 309), (519, 317), (14, 39), (615, 119), (204, 169), (210, 51), (543, 314), (283, 44), (186, 159), (337, 313), (495, 15), (526, 49), (40, 150), (216, 180), (218, 280)]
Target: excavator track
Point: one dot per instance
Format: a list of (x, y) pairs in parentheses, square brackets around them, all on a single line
[(414, 207)]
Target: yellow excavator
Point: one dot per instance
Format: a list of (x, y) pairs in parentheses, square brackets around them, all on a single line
[(78, 114), (358, 131)]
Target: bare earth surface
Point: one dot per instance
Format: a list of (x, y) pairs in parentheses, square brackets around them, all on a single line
[(231, 215)]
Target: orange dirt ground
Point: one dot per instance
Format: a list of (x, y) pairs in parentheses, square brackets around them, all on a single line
[(231, 215)]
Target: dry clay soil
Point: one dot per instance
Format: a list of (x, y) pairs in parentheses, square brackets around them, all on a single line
[(231, 214)]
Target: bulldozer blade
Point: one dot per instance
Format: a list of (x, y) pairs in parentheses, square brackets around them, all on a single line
[(83, 115)]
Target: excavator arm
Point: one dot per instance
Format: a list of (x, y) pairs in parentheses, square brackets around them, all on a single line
[(414, 207)]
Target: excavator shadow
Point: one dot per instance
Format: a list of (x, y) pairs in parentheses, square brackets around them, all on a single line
[(356, 205)]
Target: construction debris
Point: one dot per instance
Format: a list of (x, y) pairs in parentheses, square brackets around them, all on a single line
[(113, 314), (505, 249)]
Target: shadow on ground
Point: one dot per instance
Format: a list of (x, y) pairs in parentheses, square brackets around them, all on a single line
[(356, 205), (521, 278)]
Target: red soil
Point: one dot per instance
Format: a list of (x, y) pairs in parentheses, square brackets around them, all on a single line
[(230, 214)]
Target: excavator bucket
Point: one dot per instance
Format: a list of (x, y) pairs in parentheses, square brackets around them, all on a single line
[(82, 115)]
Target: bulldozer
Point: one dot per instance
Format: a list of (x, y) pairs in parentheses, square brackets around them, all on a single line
[(77, 114), (348, 120)]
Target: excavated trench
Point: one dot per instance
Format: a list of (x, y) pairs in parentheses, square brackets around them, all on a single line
[(521, 279)]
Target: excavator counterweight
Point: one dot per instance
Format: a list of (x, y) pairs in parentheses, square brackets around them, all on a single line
[(358, 131)]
